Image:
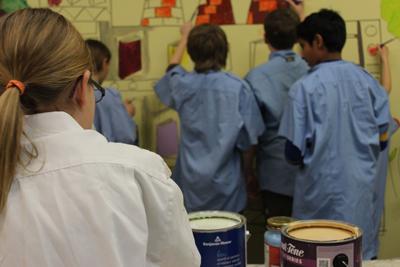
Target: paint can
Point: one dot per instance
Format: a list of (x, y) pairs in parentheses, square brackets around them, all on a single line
[(321, 243), (272, 240), (220, 238)]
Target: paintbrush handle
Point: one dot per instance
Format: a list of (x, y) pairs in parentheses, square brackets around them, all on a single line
[(388, 41)]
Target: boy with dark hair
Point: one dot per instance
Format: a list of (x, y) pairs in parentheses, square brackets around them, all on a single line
[(101, 57), (208, 48), (335, 123), (219, 120), (113, 118), (325, 24), (270, 83)]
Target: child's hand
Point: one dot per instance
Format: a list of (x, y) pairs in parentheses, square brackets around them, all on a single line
[(298, 7), (130, 107), (383, 53), (186, 28)]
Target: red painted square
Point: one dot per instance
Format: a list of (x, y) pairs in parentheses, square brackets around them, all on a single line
[(170, 3), (259, 8), (163, 12), (250, 19), (210, 10), (54, 3), (223, 12), (145, 22), (202, 19), (130, 58), (267, 5), (215, 2)]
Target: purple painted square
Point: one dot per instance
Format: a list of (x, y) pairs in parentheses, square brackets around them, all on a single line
[(167, 139)]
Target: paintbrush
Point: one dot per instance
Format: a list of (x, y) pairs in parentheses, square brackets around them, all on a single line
[(388, 41), (194, 14), (374, 49), (196, 11)]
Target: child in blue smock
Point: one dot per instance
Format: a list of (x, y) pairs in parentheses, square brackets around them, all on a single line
[(335, 122), (113, 118), (219, 119), (270, 83)]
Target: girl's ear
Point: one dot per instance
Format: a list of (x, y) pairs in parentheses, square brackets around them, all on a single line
[(81, 91)]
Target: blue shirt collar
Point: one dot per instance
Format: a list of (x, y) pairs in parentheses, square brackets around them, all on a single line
[(282, 53), (324, 63)]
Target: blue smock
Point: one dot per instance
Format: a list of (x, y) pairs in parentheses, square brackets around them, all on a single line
[(219, 119), (333, 117), (270, 83), (113, 121), (383, 165)]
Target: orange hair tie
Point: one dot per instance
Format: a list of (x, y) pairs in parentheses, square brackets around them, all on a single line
[(19, 85)]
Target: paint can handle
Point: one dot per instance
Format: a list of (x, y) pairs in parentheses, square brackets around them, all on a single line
[(248, 235)]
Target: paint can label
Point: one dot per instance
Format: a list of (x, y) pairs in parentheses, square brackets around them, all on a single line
[(222, 249), (295, 254), (272, 256)]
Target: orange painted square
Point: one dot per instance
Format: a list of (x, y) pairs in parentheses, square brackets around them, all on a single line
[(215, 2), (250, 19), (145, 22), (267, 5), (163, 12), (210, 10), (170, 3), (202, 19)]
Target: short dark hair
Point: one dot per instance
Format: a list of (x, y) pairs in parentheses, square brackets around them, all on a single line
[(280, 28), (99, 52), (327, 23), (208, 47)]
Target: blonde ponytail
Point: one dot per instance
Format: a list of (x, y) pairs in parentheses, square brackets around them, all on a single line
[(42, 49), (11, 117)]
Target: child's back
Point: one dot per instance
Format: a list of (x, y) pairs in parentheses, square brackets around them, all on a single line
[(342, 106), (219, 118), (270, 83), (336, 125)]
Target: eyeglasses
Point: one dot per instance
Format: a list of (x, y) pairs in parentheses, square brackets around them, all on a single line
[(99, 91)]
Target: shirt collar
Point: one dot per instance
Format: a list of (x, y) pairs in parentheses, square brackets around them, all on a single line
[(324, 63), (282, 53), (49, 123)]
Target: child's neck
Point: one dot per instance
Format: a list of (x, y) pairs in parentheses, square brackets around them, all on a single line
[(331, 56), (272, 49)]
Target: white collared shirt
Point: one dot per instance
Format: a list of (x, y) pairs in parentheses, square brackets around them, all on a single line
[(86, 202)]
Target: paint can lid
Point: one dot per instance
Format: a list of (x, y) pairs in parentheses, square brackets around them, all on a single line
[(215, 221), (279, 222), (322, 231)]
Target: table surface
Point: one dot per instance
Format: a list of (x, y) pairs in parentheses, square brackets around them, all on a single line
[(377, 263)]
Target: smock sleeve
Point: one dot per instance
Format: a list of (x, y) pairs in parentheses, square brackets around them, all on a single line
[(170, 90), (297, 123), (253, 124)]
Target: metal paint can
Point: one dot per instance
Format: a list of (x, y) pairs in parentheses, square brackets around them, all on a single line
[(220, 238), (321, 243), (272, 240)]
